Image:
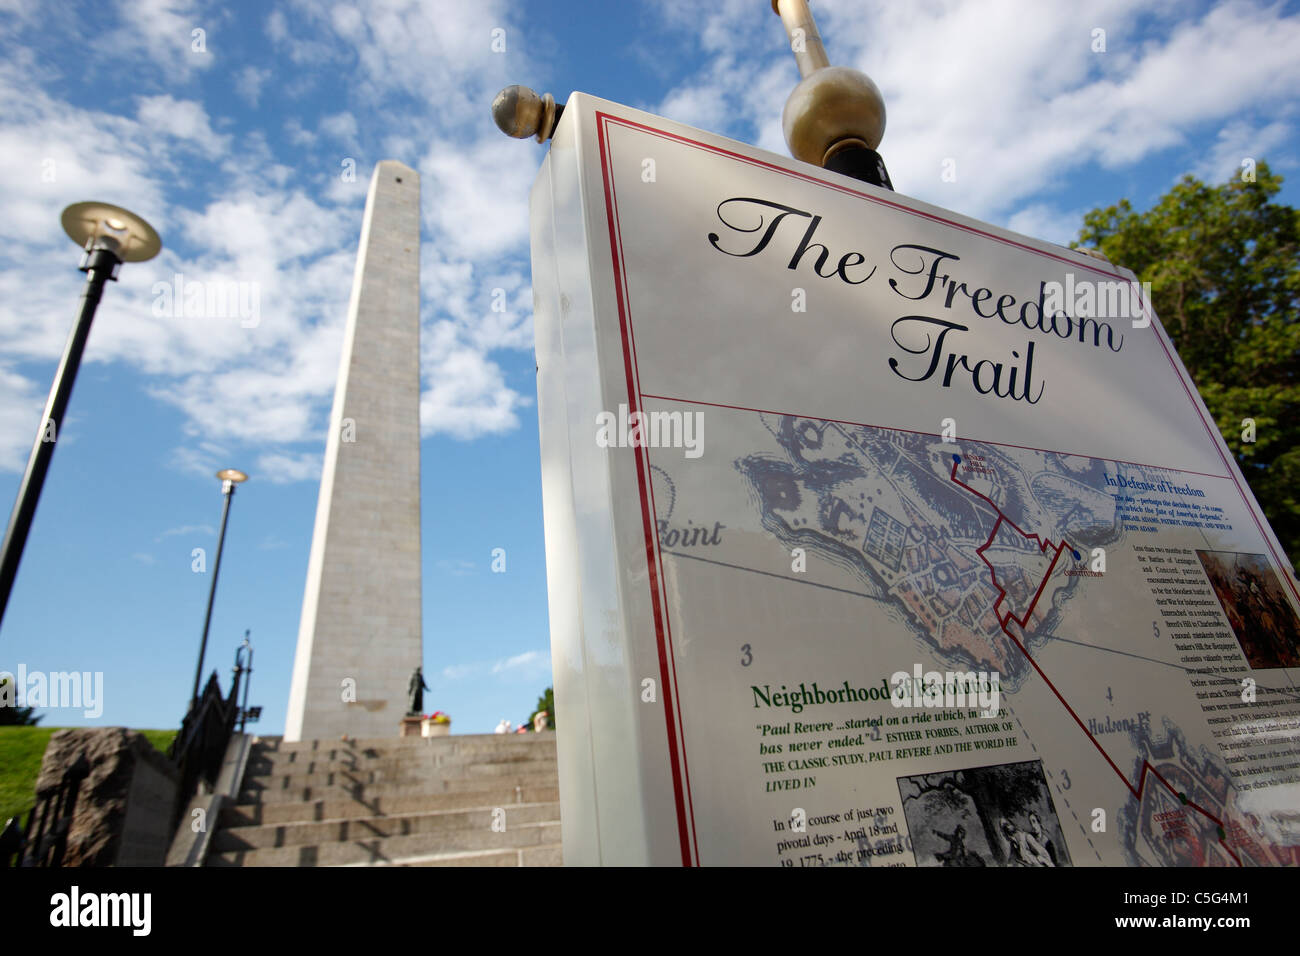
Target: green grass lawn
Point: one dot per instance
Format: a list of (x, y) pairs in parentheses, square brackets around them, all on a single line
[(21, 750)]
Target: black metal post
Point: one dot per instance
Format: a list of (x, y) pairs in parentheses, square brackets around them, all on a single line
[(861, 162), (228, 490), (244, 669), (100, 265)]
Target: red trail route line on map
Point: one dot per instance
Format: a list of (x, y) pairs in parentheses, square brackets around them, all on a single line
[(1043, 545)]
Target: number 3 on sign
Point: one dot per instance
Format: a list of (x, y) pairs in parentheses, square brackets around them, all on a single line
[(748, 657)]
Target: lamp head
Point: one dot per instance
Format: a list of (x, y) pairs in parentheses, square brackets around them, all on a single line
[(101, 225), (230, 477)]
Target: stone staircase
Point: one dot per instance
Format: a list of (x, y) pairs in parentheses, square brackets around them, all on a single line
[(410, 801)]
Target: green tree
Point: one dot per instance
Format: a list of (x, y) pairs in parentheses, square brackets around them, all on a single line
[(1224, 267), (547, 703)]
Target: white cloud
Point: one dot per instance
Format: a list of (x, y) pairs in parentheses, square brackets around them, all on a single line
[(20, 14), (249, 82), (748, 71), (189, 529), (270, 229), (53, 154), (529, 662), (457, 568), (201, 460), (160, 32), (341, 126), (296, 41), (20, 403), (341, 192), (1043, 221), (467, 396), (528, 666), (254, 405), (476, 197), (1013, 94), (283, 469), (298, 135), (1238, 142), (186, 120)]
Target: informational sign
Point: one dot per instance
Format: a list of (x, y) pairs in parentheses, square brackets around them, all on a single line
[(880, 536)]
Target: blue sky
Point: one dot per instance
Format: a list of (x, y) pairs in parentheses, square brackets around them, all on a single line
[(236, 153)]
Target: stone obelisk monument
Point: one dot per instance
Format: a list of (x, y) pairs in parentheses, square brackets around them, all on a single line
[(360, 636)]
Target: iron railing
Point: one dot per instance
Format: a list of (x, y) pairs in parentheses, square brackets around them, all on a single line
[(199, 748), (197, 752)]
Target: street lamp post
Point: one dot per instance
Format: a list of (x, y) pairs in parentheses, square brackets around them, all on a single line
[(110, 235), (244, 671), (229, 478)]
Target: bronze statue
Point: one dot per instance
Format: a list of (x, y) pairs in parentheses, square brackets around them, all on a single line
[(415, 693)]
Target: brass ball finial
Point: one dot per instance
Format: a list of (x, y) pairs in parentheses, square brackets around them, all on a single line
[(521, 112), (830, 109), (835, 113)]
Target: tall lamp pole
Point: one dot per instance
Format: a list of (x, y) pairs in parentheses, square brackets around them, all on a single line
[(110, 235), (229, 478)]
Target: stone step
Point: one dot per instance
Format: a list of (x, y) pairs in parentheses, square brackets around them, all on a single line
[(550, 855), (260, 814), (369, 828), (413, 760), (257, 793), (446, 748), (275, 745), (406, 776), (381, 850)]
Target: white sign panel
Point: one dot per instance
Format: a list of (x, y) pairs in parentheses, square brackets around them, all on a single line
[(880, 536)]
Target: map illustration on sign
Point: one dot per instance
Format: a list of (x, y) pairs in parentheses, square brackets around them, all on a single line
[(873, 540)]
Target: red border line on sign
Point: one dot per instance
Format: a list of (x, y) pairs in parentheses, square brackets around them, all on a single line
[(658, 582), (668, 687), (1216, 440), (672, 706)]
